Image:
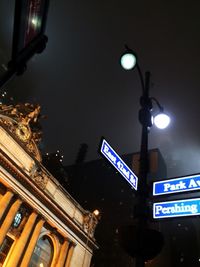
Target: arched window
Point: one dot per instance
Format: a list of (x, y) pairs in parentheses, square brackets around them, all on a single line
[(43, 253), (4, 249), (17, 220)]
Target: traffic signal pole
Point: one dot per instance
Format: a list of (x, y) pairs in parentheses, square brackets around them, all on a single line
[(17, 66)]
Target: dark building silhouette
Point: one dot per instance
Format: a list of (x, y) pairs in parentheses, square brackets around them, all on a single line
[(97, 185)]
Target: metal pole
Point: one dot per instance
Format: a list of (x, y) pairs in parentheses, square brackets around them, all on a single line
[(145, 120), (18, 65)]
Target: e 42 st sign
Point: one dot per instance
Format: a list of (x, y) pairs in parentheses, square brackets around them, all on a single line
[(109, 153)]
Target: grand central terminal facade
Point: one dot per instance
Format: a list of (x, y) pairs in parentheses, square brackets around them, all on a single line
[(40, 223)]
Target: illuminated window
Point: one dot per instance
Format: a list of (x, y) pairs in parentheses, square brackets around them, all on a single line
[(43, 253), (17, 219)]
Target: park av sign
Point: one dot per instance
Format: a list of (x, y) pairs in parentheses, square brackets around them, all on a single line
[(177, 185)]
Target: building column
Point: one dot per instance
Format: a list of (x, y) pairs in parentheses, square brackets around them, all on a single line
[(4, 202), (32, 243), (21, 242), (69, 255), (9, 219), (63, 254)]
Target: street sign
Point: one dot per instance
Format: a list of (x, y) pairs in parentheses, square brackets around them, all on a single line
[(177, 185), (109, 153), (178, 208)]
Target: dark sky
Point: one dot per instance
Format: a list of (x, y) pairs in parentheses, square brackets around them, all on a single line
[(83, 90)]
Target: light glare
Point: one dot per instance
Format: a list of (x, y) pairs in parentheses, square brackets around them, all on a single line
[(96, 212), (128, 61), (34, 21), (161, 120)]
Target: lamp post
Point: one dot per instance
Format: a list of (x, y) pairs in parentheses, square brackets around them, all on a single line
[(128, 62)]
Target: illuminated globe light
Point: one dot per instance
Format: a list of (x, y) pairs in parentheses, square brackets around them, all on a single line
[(161, 120), (128, 61), (96, 212)]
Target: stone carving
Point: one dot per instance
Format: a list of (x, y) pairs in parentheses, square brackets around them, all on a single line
[(90, 222), (23, 121), (40, 178)]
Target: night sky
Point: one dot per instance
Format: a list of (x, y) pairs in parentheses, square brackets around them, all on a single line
[(84, 92)]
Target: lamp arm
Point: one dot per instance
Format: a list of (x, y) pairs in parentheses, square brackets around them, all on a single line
[(157, 103), (141, 77)]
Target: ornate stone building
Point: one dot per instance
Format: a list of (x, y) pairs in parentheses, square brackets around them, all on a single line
[(40, 223)]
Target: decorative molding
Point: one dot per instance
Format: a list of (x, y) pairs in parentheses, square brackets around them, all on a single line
[(21, 121), (40, 178), (89, 223)]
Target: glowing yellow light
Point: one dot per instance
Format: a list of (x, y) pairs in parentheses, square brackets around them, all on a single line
[(96, 212)]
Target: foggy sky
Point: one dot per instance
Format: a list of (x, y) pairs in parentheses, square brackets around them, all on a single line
[(84, 92)]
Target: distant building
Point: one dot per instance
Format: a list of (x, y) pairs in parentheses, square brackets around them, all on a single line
[(97, 184), (40, 223)]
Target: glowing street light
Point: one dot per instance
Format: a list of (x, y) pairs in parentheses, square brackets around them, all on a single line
[(161, 120), (96, 213), (128, 59)]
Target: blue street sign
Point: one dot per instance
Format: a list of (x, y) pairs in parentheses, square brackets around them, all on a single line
[(109, 153), (178, 208), (177, 185)]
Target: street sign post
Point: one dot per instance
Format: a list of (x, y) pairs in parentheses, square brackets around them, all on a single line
[(177, 208), (177, 185), (109, 153)]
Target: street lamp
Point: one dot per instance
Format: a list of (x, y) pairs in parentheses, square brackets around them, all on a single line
[(128, 61)]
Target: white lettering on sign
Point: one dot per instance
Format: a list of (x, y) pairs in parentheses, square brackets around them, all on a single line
[(132, 180), (122, 169), (176, 209), (108, 153), (181, 184), (194, 183), (172, 187)]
